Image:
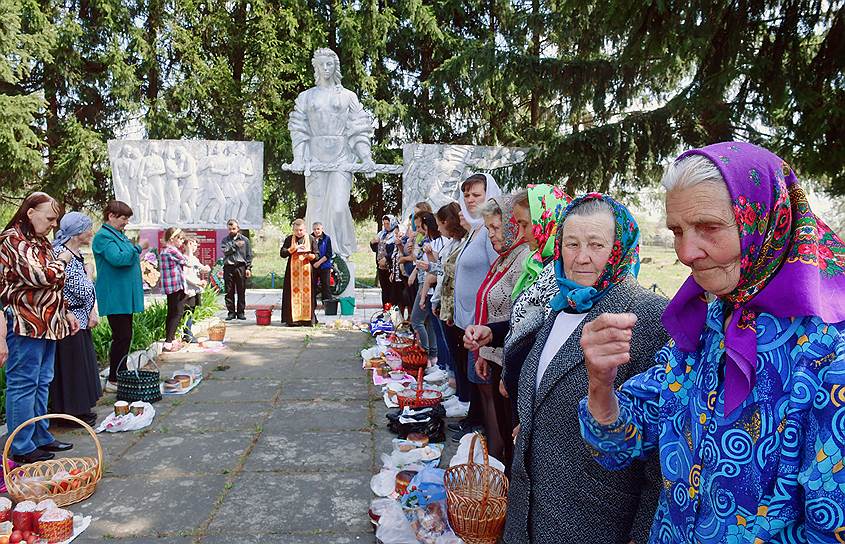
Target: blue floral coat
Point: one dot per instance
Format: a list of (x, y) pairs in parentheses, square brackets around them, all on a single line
[(772, 470)]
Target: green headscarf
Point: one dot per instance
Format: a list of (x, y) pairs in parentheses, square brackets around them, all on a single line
[(546, 204)]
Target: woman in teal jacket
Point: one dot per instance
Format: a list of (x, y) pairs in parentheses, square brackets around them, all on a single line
[(120, 292)]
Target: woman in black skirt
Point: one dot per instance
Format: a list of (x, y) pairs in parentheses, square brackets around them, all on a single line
[(76, 384)]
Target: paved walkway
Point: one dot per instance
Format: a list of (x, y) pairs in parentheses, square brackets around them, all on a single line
[(276, 445)]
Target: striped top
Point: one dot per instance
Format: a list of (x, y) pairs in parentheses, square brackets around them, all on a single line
[(31, 286)]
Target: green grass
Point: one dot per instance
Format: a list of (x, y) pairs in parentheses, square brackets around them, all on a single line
[(663, 270), (266, 260), (148, 326)]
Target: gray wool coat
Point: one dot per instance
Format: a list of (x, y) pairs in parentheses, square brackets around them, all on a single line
[(558, 493)]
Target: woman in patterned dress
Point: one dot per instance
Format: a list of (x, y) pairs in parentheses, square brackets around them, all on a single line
[(493, 305), (746, 404), (76, 386), (36, 317)]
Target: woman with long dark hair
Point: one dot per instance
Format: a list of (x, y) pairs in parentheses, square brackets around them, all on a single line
[(422, 320)]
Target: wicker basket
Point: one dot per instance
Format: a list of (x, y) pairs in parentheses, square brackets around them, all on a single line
[(477, 498), (217, 332), (416, 402), (78, 488), (404, 328), (413, 357)]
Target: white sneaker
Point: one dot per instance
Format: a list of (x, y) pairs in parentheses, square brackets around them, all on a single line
[(444, 389)]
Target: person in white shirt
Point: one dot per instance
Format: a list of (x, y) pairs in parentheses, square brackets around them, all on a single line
[(194, 284)]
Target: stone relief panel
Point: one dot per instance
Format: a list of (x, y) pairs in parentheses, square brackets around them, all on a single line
[(434, 172), (189, 183)]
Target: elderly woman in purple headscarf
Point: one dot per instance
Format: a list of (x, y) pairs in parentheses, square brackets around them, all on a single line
[(746, 404)]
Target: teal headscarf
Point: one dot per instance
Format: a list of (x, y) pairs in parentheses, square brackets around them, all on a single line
[(624, 259)]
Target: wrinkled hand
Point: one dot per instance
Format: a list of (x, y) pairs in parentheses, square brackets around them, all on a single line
[(65, 256), (423, 298), (606, 343), (482, 368), (502, 390), (93, 320), (476, 336), (74, 324)]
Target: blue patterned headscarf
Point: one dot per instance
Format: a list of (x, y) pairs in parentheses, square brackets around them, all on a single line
[(624, 259), (72, 224)]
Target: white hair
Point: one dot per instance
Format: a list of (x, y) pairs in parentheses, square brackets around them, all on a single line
[(591, 207), (689, 171), (490, 208)]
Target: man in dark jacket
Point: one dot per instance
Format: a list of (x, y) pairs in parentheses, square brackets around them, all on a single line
[(237, 268), (323, 263)]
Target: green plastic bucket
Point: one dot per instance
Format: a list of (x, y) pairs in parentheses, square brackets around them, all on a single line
[(347, 305)]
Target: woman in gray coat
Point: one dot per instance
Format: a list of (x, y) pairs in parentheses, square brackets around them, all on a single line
[(558, 493)]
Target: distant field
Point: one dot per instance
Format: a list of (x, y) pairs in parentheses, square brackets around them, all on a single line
[(267, 261), (662, 269)]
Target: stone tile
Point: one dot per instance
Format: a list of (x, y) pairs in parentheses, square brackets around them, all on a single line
[(144, 506), (323, 538), (307, 371), (286, 503), (311, 451), (211, 417), (256, 366), (325, 389), (220, 389), (299, 416), (172, 455), (84, 539)]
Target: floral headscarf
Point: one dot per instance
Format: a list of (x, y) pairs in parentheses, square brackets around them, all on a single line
[(624, 259), (511, 234), (512, 239), (545, 204), (792, 263)]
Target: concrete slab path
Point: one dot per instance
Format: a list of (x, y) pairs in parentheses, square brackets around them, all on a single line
[(277, 444)]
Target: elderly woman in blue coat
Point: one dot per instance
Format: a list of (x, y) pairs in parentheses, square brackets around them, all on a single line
[(745, 406), (120, 292)]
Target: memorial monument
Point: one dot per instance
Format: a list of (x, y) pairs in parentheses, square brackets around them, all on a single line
[(433, 172), (194, 184)]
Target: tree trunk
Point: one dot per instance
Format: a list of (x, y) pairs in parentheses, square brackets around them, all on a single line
[(536, 29), (155, 15), (237, 56)]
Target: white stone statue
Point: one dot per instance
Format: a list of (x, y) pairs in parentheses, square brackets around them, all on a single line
[(331, 135)]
